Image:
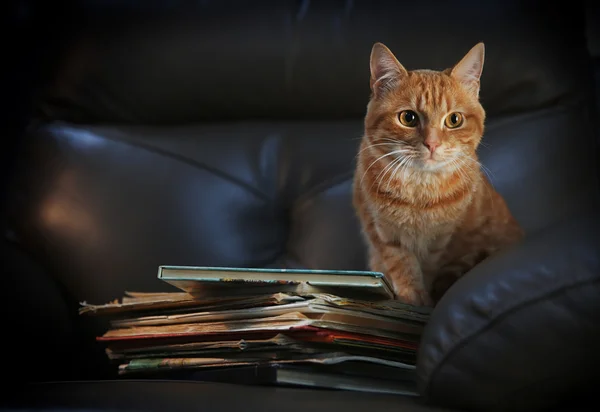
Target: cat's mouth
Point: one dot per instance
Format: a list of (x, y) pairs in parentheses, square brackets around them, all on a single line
[(431, 161), (431, 164), (418, 161), (413, 157)]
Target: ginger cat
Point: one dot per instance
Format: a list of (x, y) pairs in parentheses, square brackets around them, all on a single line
[(428, 213)]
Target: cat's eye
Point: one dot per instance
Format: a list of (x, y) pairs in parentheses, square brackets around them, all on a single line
[(453, 120), (408, 118)]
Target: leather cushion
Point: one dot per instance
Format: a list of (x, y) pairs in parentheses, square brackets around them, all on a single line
[(180, 62), (520, 331)]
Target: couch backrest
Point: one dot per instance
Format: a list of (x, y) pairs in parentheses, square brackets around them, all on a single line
[(173, 62)]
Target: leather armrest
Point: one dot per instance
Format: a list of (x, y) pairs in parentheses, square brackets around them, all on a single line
[(521, 330)]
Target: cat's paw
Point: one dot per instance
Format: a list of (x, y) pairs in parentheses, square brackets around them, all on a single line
[(414, 296)]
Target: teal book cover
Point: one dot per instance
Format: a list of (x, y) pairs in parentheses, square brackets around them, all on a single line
[(207, 279)]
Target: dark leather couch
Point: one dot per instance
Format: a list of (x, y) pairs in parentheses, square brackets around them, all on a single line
[(225, 133)]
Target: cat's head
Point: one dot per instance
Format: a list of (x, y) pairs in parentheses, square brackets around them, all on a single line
[(432, 119)]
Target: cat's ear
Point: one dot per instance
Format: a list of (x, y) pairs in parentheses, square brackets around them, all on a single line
[(386, 70), (468, 70)]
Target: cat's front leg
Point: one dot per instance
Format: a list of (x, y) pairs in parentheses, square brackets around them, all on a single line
[(403, 270), (401, 267)]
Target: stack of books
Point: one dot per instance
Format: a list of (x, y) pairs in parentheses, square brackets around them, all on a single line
[(319, 328)]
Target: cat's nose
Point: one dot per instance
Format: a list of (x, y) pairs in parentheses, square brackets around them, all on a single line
[(431, 144)]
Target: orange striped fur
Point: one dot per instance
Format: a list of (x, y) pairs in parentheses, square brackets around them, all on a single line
[(428, 212)]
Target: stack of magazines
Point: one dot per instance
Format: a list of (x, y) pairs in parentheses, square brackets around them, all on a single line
[(319, 328)]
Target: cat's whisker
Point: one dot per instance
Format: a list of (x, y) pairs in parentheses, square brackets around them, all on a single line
[(395, 152), (395, 141), (408, 171), (372, 146), (485, 170), (393, 174), (462, 162), (488, 172), (401, 166), (379, 178), (403, 152), (472, 166), (470, 169), (459, 166)]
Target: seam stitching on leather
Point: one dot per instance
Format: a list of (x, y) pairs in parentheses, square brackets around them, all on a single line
[(465, 341)]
